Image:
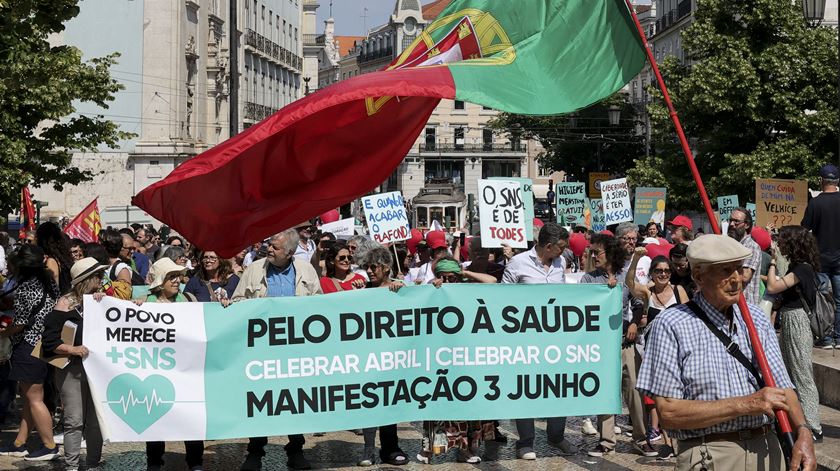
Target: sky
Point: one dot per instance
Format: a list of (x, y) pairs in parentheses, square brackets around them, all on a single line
[(348, 14)]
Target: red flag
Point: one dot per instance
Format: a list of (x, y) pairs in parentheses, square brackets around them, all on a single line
[(86, 224), (27, 213)]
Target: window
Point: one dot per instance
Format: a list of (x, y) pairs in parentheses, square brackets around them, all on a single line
[(516, 142), (430, 139), (247, 16), (459, 138), (500, 168), (460, 105), (486, 108), (487, 139)]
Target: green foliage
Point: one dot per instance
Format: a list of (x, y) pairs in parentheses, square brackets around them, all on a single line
[(759, 100), (39, 86), (581, 142)]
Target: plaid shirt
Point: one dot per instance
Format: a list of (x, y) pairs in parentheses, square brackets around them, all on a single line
[(752, 290), (684, 360)]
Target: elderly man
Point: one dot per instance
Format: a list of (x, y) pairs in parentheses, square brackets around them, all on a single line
[(279, 274), (711, 398), (740, 226), (542, 264), (681, 227)]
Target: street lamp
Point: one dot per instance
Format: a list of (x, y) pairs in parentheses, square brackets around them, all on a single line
[(573, 117), (614, 114), (814, 11)]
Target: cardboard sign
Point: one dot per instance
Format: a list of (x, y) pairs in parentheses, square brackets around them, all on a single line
[(596, 214), (650, 206), (527, 197), (570, 199), (725, 206), (502, 214), (386, 217), (595, 180), (342, 229), (616, 197), (781, 202)]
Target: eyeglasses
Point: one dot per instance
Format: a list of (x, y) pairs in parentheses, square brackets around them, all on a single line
[(627, 239), (130, 249), (209, 258), (344, 258), (737, 221), (596, 252), (662, 271), (370, 267), (352, 247), (449, 277)]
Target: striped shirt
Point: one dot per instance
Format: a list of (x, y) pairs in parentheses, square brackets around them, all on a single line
[(684, 360), (752, 290)]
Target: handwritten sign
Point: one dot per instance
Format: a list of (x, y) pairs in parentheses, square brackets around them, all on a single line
[(725, 206), (502, 214), (595, 180), (527, 197), (571, 198), (650, 206), (595, 209), (616, 197), (750, 207), (386, 217), (781, 202)]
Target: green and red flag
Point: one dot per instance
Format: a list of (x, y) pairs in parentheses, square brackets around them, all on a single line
[(537, 57)]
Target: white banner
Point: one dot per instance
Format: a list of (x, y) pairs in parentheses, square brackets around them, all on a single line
[(343, 229), (616, 197), (386, 217), (502, 214)]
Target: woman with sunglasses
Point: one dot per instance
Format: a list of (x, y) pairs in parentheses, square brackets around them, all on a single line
[(214, 280), (340, 277), (80, 419)]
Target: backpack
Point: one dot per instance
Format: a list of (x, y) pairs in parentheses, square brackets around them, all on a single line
[(821, 316)]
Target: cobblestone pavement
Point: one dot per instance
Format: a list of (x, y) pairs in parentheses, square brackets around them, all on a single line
[(341, 450)]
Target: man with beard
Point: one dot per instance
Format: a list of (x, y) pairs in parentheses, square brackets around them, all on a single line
[(740, 226)]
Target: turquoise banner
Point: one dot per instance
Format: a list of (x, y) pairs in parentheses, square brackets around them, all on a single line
[(466, 352)]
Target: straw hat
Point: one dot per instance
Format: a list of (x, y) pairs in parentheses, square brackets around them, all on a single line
[(84, 269), (161, 269)]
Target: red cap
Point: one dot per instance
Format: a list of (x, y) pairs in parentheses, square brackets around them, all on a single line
[(609, 233), (654, 250), (436, 239), (538, 222), (411, 243), (761, 237), (578, 243), (330, 216), (682, 221)]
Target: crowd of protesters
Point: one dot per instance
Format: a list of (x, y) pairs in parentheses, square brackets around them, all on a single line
[(672, 280)]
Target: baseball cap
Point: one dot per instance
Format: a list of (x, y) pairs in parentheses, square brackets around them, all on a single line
[(436, 239), (682, 221), (830, 172)]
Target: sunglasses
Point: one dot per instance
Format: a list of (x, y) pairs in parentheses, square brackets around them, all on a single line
[(662, 271), (209, 258), (344, 258)]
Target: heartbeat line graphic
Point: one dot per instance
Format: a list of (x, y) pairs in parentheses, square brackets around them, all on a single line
[(150, 403)]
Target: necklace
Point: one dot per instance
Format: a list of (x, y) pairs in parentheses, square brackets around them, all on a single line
[(658, 299)]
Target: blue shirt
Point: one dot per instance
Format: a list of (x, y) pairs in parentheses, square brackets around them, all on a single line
[(683, 359), (280, 283)]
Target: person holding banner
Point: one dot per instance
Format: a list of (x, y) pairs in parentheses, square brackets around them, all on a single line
[(214, 281), (166, 288), (541, 264), (279, 274), (80, 419), (377, 263), (339, 276), (709, 395)]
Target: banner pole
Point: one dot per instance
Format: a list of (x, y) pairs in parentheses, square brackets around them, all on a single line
[(781, 416)]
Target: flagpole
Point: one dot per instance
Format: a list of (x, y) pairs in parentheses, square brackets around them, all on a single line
[(781, 416)]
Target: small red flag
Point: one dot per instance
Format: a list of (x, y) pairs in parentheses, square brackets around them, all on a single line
[(86, 225), (27, 213)]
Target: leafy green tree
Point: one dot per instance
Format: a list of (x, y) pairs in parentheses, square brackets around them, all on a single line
[(581, 142), (759, 99), (39, 86)]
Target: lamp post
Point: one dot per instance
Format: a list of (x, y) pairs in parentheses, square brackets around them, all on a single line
[(614, 114), (814, 12)]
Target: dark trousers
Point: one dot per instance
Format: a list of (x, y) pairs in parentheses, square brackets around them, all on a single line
[(8, 389), (388, 441), (555, 430), (256, 445), (155, 450)]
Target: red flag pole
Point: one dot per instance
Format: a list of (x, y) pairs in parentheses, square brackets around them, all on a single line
[(764, 367)]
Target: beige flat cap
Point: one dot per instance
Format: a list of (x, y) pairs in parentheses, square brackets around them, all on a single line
[(712, 248)]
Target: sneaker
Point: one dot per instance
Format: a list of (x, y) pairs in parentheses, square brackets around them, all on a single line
[(818, 437), (587, 428), (645, 449), (666, 453), (466, 456), (566, 447), (43, 454), (368, 457), (12, 450), (58, 438), (653, 435), (617, 430), (253, 462), (599, 451), (298, 461), (526, 454)]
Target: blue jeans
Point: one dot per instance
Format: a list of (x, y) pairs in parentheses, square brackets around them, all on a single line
[(832, 270)]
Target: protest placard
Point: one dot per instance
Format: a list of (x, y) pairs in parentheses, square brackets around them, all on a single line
[(650, 206), (725, 206), (595, 180), (750, 207), (615, 195), (527, 186), (386, 216), (502, 214), (341, 229), (596, 214), (781, 202), (354, 359), (571, 199)]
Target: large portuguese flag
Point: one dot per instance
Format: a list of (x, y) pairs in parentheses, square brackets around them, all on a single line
[(536, 57)]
